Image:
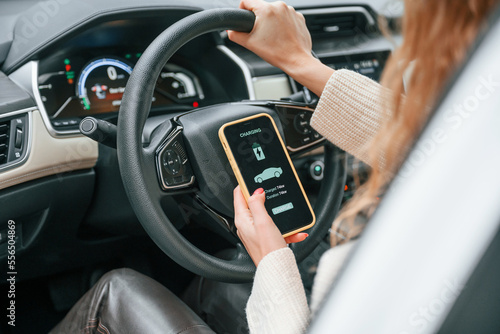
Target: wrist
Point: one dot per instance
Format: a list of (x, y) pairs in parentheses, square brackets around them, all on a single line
[(311, 73), (295, 65), (277, 253)]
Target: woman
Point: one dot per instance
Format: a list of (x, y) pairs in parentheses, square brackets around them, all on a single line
[(360, 117), (374, 124)]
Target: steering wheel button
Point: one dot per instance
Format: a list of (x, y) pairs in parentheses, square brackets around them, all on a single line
[(172, 162), (173, 168), (301, 122), (169, 181), (180, 150)]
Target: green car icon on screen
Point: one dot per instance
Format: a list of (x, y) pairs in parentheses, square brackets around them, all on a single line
[(268, 173)]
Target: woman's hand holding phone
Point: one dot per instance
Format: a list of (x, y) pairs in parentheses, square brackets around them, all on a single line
[(256, 229)]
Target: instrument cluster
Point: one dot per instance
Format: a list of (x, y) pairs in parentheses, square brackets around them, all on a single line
[(74, 86)]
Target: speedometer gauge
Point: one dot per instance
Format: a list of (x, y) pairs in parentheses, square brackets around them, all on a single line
[(101, 85), (72, 87)]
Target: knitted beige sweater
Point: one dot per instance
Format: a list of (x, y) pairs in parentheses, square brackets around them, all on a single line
[(348, 116)]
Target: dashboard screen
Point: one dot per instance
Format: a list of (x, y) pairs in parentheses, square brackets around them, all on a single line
[(101, 85), (72, 87)]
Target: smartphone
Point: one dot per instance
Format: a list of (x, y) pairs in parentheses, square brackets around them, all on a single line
[(259, 159)]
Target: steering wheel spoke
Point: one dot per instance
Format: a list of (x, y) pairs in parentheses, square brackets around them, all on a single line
[(220, 224), (172, 163)]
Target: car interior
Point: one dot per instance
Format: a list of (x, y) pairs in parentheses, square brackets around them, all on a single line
[(109, 154)]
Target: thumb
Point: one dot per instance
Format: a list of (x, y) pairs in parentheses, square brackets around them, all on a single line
[(238, 37), (256, 204), (250, 4)]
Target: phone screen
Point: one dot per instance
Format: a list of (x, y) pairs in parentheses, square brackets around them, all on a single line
[(263, 163)]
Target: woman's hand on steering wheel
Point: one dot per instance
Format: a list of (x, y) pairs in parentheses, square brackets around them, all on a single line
[(256, 229), (281, 38)]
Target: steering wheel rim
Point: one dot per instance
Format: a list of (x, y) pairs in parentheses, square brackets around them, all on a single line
[(137, 165)]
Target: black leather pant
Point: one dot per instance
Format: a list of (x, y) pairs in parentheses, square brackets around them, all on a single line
[(125, 301)]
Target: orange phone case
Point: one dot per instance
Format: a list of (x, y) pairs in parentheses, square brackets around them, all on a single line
[(239, 177)]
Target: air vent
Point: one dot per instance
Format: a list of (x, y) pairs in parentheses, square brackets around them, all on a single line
[(339, 22), (4, 141), (13, 140)]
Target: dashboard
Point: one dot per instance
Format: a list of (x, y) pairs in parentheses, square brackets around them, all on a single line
[(82, 70), (86, 74), (91, 82)]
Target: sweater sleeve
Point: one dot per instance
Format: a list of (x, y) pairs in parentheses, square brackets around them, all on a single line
[(349, 112), (278, 301)]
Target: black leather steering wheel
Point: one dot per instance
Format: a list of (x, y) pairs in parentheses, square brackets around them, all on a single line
[(193, 138)]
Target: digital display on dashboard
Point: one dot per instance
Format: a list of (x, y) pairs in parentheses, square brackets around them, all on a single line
[(74, 87), (101, 85)]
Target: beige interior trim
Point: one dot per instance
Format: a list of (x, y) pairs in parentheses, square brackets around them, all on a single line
[(51, 156)]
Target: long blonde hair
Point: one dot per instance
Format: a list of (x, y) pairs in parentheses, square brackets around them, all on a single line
[(436, 37)]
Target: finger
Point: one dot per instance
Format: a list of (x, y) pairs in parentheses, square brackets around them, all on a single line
[(301, 17), (249, 4), (296, 238), (237, 37), (240, 204), (281, 6), (256, 205)]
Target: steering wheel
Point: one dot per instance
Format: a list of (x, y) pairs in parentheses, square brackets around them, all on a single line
[(184, 154)]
